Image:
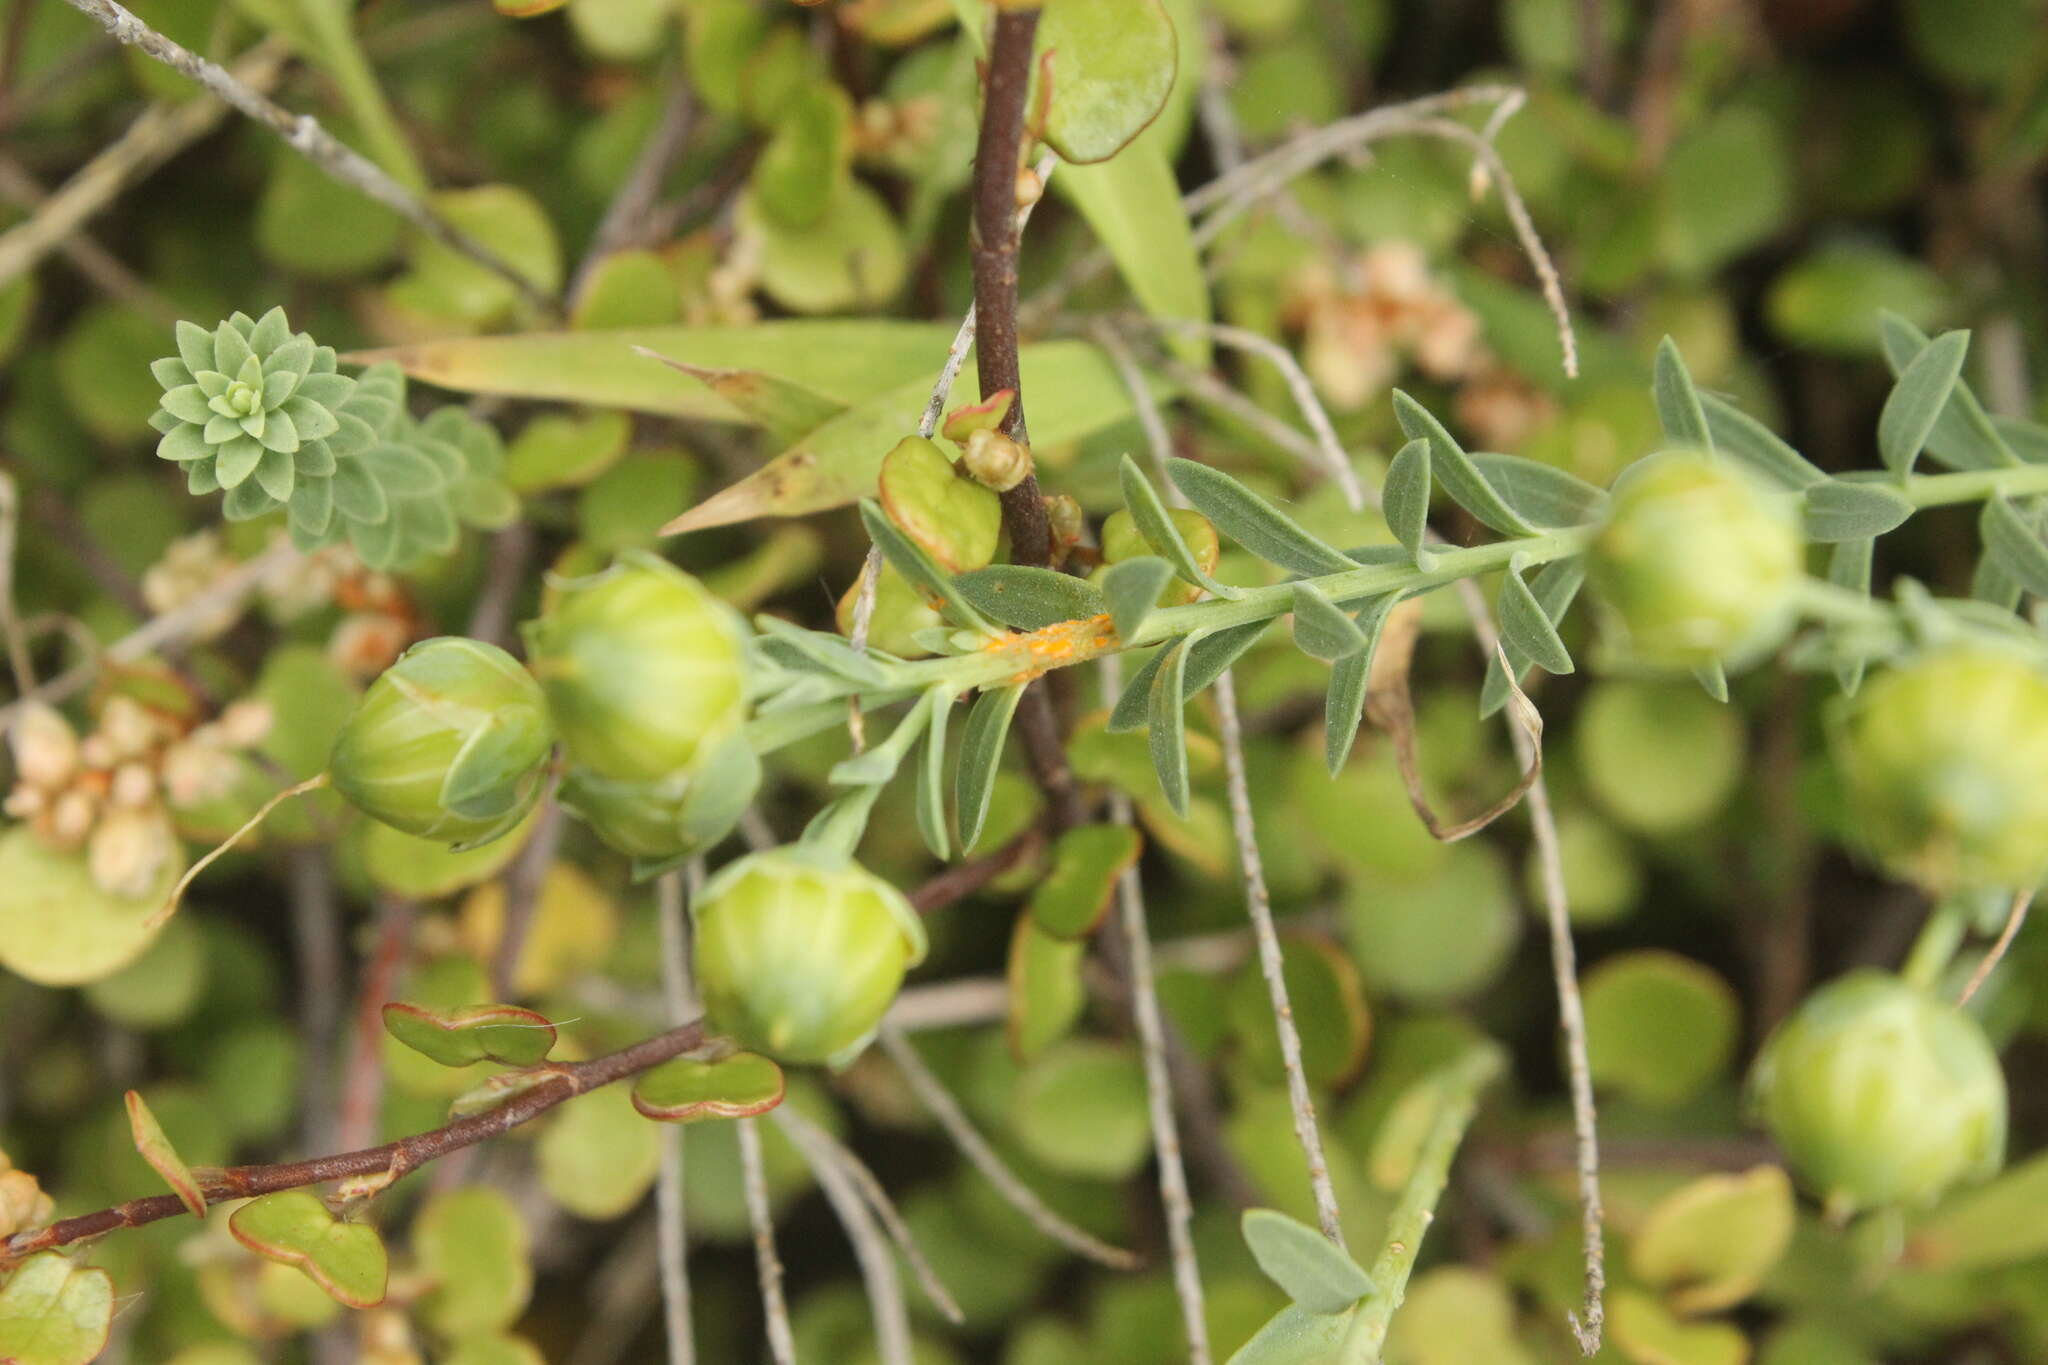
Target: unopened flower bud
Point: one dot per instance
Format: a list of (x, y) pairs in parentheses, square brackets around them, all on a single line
[(129, 728), (45, 747), (643, 666), (1030, 187), (449, 743), (799, 952), (134, 785), (1942, 759), (995, 460), (1068, 522), (1698, 563), (1881, 1095), (128, 850)]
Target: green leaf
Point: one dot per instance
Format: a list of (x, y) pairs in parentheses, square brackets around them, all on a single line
[(1253, 522), (476, 1033), (1526, 626), (1709, 1244), (1080, 393), (1964, 436), (1738, 434), (799, 171), (1133, 203), (1404, 501), (1713, 679), (1916, 401), (785, 409), (162, 1157), (1557, 585), (1454, 469), (1350, 680), (981, 753), (1313, 1270), (1030, 598), (1996, 1224), (1850, 509), (917, 567), (1131, 589), (931, 776), (1208, 655), (1644, 1329), (1295, 1336), (475, 1249), (1109, 68), (1149, 513), (691, 1089), (1166, 735), (448, 290), (2014, 543), (1086, 862), (54, 1311), (1678, 403), (1541, 493), (57, 926), (599, 1157), (1321, 629), (1660, 1028), (294, 1228), (841, 361), (852, 257), (1046, 994), (1080, 1109), (1328, 1004)]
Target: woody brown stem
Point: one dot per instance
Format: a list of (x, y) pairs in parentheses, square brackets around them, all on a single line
[(563, 1081)]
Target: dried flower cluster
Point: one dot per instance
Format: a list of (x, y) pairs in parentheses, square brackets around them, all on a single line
[(22, 1201)]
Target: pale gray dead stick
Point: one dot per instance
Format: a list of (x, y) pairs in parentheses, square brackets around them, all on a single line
[(1151, 1027), (18, 657), (1587, 1324), (943, 1107), (877, 1266), (304, 135), (2014, 918), (157, 134), (671, 1248), (754, 1178), (173, 626), (1258, 902)]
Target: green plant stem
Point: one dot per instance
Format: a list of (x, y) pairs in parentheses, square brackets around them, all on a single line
[(1975, 485), (1935, 948), (1459, 1087)]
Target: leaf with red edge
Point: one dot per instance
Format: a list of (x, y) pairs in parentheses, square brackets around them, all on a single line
[(163, 1158), (476, 1033), (987, 415), (689, 1090), (55, 1312), (294, 1228)]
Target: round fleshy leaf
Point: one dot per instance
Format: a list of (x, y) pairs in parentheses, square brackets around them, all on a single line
[(1046, 992), (162, 1157), (598, 1158), (954, 519), (1104, 72), (563, 450), (687, 1090), (1708, 1245), (1081, 1109), (294, 1228), (477, 1033), (475, 1246), (1648, 1333), (1659, 1027), (1086, 863), (54, 1311), (1329, 1010), (57, 927)]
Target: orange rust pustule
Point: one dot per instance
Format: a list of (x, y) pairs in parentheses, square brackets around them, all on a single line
[(1056, 645)]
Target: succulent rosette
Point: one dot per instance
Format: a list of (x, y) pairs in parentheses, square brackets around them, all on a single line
[(799, 952), (253, 409), (1698, 563), (449, 743), (1881, 1095), (645, 669), (1942, 758)]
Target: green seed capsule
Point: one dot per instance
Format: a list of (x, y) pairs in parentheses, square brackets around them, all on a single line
[(1698, 563), (449, 743), (800, 952), (657, 822), (644, 669), (1881, 1095), (1942, 758)]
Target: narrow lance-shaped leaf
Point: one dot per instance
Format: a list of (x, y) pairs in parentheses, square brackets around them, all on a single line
[(1132, 589), (1208, 655), (2014, 543), (1454, 469), (1853, 509), (162, 1157), (783, 408), (1148, 511), (1404, 501), (981, 751), (1253, 522), (1321, 630), (1678, 403), (1541, 494), (917, 567), (1030, 598), (1738, 434), (1526, 625), (1964, 435), (1556, 586), (1350, 680), (1166, 735), (1917, 400), (931, 777), (1849, 567), (1316, 1274)]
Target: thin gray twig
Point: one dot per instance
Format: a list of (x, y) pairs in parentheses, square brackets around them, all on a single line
[(671, 1248), (754, 1177)]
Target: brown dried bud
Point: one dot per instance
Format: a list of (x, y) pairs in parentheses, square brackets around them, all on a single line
[(995, 461), (1068, 523)]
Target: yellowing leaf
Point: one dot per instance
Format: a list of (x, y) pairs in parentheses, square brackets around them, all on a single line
[(1709, 1244), (294, 1228), (162, 1157), (474, 1245), (955, 520), (54, 1312), (572, 930), (1109, 66)]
